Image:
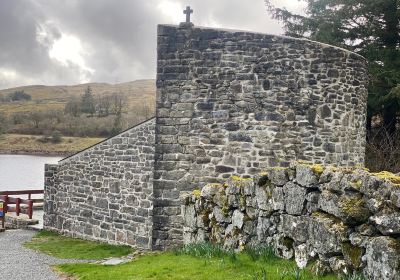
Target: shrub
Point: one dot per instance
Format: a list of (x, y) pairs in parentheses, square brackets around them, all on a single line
[(56, 137), (19, 95), (383, 151)]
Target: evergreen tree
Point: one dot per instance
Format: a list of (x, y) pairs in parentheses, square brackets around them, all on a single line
[(88, 105), (117, 126), (368, 27)]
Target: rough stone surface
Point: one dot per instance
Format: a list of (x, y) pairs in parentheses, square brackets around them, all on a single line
[(105, 192), (234, 102), (383, 258), (338, 231), (295, 197), (387, 224), (18, 222)]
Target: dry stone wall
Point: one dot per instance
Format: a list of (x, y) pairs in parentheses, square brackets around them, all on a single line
[(234, 102), (346, 219), (105, 193)]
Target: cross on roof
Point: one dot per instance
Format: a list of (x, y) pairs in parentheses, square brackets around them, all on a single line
[(187, 12)]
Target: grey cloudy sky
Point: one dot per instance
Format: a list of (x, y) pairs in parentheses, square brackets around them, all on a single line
[(75, 41)]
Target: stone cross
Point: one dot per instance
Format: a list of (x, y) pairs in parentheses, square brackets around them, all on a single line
[(187, 12)]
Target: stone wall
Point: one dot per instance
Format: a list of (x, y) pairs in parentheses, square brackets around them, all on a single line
[(105, 192), (346, 219), (234, 102)]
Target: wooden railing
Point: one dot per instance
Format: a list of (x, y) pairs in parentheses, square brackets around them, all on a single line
[(10, 201)]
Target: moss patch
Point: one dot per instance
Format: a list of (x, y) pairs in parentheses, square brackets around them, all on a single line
[(317, 168), (354, 207), (357, 185), (240, 179), (333, 223), (197, 193), (352, 254), (395, 244), (388, 176)]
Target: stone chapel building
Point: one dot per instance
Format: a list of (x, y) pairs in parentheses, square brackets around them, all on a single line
[(228, 103)]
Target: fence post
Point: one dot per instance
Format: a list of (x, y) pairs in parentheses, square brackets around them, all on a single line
[(5, 204), (17, 206), (30, 209), (2, 215)]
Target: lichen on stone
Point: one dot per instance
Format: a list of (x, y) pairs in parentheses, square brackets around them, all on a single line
[(242, 201), (197, 193), (317, 168), (354, 207), (357, 185), (335, 224), (237, 178)]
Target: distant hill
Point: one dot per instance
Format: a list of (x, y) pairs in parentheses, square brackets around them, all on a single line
[(54, 97), (138, 88), (44, 112)]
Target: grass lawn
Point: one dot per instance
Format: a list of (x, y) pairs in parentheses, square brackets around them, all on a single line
[(72, 248), (199, 261), (181, 266)]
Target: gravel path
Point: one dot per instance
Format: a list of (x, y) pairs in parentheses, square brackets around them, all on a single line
[(20, 263)]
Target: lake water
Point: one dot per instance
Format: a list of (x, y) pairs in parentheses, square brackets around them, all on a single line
[(21, 172)]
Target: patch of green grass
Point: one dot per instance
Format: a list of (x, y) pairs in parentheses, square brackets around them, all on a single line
[(201, 261), (71, 248), (205, 250), (264, 253)]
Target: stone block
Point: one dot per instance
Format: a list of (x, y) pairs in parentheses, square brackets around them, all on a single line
[(295, 198), (383, 258)]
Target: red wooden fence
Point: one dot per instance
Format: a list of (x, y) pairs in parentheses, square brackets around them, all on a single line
[(9, 201)]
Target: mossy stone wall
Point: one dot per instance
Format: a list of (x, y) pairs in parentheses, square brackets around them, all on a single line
[(346, 219)]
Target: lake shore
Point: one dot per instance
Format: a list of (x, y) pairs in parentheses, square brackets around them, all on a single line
[(18, 144)]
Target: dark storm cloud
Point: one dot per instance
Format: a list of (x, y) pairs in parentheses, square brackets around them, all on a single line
[(19, 47), (118, 37)]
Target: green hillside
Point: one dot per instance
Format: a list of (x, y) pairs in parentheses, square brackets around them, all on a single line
[(45, 113)]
